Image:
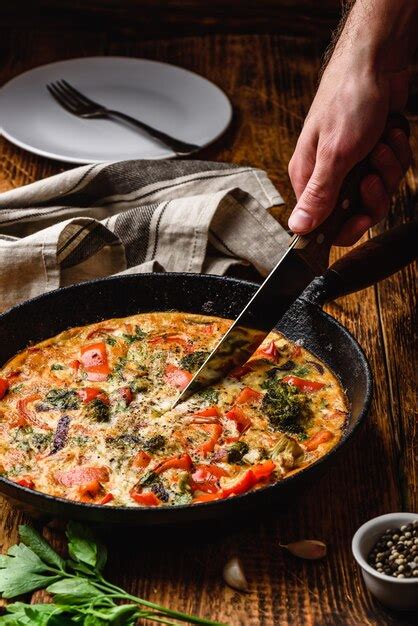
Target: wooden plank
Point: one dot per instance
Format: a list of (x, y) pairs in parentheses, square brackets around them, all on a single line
[(270, 79)]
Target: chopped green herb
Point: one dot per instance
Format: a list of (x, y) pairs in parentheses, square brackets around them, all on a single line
[(137, 336), (98, 410), (301, 371), (148, 479), (16, 388), (63, 398), (209, 394), (154, 444), (57, 366), (111, 341), (191, 362)]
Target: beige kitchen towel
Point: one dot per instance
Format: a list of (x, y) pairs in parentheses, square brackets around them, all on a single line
[(135, 216)]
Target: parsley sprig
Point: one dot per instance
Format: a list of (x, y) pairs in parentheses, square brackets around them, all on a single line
[(81, 595)]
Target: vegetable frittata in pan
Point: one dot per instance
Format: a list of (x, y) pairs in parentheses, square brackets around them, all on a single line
[(86, 415)]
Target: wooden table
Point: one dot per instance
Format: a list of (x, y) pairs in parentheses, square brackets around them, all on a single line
[(270, 79)]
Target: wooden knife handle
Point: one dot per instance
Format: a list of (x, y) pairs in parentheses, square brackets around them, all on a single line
[(315, 246)]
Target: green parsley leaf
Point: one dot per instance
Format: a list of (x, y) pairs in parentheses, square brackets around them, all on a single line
[(73, 591), (22, 571), (40, 547), (82, 546)]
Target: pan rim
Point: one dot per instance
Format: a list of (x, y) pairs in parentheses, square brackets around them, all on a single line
[(293, 479)]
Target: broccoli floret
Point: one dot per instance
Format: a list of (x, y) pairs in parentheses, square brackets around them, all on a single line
[(237, 452), (154, 444), (98, 410), (63, 398), (286, 407)]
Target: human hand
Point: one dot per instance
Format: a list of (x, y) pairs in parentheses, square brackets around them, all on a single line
[(347, 122)]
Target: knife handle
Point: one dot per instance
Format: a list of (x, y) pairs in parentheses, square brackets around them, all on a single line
[(315, 246)]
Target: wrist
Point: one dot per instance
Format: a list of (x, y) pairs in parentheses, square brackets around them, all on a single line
[(379, 36)]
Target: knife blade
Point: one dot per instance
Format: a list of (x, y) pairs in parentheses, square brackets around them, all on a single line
[(283, 285)]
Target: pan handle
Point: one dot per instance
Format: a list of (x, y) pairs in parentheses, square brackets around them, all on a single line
[(367, 264)]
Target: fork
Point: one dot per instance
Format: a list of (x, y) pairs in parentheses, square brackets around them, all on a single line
[(78, 104)]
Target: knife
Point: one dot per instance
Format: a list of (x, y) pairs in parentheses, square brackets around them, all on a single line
[(306, 257)]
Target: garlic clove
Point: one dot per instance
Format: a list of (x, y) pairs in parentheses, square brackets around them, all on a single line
[(233, 575), (307, 549)]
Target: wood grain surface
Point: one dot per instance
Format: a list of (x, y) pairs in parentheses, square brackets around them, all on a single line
[(271, 79)]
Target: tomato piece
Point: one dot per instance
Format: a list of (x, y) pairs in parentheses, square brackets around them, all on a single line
[(210, 411), (209, 497), (240, 485), (216, 432), (148, 498), (90, 490), (4, 387), (94, 360), (320, 437), (248, 395), (81, 475), (26, 417), (177, 462), (141, 459), (126, 395), (238, 416), (303, 384), (23, 482), (206, 478), (209, 329), (263, 470), (107, 498), (177, 377), (240, 371), (90, 393), (75, 365), (270, 351)]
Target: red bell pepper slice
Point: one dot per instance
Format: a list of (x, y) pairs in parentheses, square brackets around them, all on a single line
[(320, 437), (248, 395), (263, 470), (88, 491), (94, 360), (4, 387), (177, 377), (141, 459), (216, 431), (147, 498), (75, 365), (90, 393), (177, 462), (238, 416), (209, 497), (107, 498), (210, 411), (303, 384), (23, 482), (242, 484)]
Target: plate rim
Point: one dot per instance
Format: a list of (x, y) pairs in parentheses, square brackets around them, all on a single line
[(169, 154)]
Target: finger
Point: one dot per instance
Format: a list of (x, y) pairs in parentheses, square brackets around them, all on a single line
[(375, 198), (399, 144), (302, 163), (387, 165), (318, 198), (353, 229)]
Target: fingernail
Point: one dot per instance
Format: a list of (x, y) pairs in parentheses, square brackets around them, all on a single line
[(300, 221)]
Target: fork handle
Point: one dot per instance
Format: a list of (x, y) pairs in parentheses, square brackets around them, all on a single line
[(178, 146)]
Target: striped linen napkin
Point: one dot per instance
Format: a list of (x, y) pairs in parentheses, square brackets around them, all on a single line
[(135, 216)]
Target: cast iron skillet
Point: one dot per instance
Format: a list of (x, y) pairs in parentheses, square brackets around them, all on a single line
[(49, 314)]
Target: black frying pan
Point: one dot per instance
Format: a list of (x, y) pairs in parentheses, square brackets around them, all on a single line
[(89, 302)]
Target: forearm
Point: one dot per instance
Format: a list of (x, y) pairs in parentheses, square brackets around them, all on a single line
[(381, 33)]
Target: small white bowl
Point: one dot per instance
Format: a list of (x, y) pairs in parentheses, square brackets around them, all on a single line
[(396, 593)]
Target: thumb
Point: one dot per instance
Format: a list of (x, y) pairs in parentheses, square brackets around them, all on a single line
[(318, 198)]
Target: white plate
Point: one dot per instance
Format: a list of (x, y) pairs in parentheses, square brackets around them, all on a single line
[(167, 97)]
